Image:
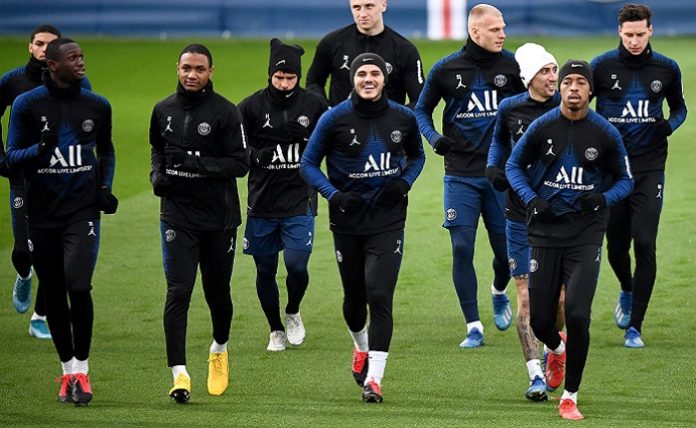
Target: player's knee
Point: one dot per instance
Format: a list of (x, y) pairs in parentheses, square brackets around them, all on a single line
[(577, 320), (644, 246)]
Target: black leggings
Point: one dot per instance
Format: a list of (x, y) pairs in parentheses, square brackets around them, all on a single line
[(577, 268), (267, 287), (369, 267), (182, 251), (64, 259)]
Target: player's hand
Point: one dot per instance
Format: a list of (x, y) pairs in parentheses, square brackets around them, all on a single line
[(297, 132), (264, 157), (497, 178), (108, 203), (662, 130), (174, 156), (443, 145), (161, 185), (539, 209), (393, 192), (347, 202), (591, 202), (49, 140)]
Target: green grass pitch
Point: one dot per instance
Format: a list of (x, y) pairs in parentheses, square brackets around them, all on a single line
[(429, 380)]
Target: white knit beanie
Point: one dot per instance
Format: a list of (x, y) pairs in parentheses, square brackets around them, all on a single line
[(532, 57)]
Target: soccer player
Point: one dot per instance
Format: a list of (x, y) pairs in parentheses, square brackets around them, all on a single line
[(539, 72), (12, 84), (373, 155), (632, 84), (198, 151), (60, 139), (472, 82), (281, 206), (369, 34), (560, 169)]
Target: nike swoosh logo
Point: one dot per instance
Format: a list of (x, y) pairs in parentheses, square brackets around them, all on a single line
[(366, 59), (177, 165), (576, 65)]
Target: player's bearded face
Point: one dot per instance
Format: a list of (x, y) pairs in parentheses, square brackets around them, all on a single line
[(544, 82), (369, 82), (194, 71), (575, 92)]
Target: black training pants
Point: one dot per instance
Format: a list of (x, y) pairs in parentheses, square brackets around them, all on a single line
[(182, 252), (636, 219), (577, 268), (369, 267), (64, 259)]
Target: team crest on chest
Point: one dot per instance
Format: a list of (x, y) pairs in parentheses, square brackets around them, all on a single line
[(656, 86), (389, 68), (500, 80), (396, 136), (303, 120), (533, 265), (204, 128), (591, 153), (88, 125)]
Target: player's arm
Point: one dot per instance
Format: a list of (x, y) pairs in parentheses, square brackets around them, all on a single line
[(413, 77), (314, 154), (105, 150), (415, 156), (19, 150), (320, 69), (524, 153), (501, 142), (619, 169), (427, 101), (674, 94), (235, 163)]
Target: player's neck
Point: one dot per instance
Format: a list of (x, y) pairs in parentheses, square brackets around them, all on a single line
[(575, 115), (377, 29)]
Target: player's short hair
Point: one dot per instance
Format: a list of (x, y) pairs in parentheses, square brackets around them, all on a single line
[(633, 12), (45, 28), (53, 52), (199, 49)]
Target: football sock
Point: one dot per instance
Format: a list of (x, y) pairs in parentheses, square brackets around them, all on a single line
[(558, 351), (377, 363), (471, 325), (570, 396), (496, 291), (216, 348), (36, 316), (534, 369), (177, 370), (68, 366), (81, 366), (360, 339)]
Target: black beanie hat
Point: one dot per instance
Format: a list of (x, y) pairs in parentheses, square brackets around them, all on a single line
[(285, 58), (368, 58), (576, 66)]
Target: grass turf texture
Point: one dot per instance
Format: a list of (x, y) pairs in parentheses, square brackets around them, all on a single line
[(429, 380)]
